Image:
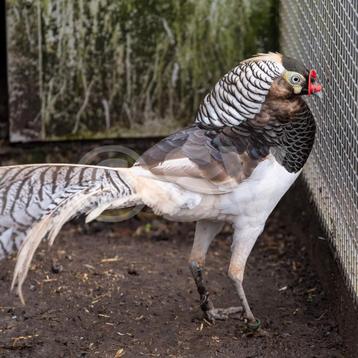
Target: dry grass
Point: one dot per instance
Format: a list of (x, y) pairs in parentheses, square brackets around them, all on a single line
[(107, 68)]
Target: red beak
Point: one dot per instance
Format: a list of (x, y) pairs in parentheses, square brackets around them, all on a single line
[(313, 87)]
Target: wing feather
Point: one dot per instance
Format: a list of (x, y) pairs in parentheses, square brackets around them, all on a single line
[(201, 160)]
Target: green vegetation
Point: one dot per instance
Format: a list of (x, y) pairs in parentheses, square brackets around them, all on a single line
[(90, 68)]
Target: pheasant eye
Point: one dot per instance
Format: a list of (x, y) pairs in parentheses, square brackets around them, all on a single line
[(295, 79)]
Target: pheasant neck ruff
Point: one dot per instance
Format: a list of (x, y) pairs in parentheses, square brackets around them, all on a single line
[(239, 95)]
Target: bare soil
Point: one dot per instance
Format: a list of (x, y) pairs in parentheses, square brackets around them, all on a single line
[(113, 290)]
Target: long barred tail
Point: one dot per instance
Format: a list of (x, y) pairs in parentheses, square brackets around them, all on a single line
[(37, 200)]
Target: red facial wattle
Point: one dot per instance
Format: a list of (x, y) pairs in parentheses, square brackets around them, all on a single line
[(313, 87)]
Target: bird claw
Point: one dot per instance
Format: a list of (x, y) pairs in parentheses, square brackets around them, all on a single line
[(221, 314)]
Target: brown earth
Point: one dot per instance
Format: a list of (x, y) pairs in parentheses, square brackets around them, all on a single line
[(113, 290)]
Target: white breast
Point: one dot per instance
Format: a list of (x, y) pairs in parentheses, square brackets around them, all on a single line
[(257, 196)]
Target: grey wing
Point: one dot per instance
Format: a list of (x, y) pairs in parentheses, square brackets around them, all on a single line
[(201, 157)]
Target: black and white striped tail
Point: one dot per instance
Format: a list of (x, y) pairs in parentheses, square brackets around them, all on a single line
[(37, 200)]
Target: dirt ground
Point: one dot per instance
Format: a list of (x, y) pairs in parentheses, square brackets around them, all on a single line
[(113, 290)]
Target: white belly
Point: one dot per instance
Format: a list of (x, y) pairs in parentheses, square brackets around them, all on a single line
[(252, 200)]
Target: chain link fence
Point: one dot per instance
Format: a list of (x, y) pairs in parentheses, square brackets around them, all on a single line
[(324, 35)]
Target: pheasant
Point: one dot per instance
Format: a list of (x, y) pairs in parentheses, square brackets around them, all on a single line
[(250, 140)]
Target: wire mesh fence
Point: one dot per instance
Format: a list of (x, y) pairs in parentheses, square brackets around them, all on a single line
[(324, 35)]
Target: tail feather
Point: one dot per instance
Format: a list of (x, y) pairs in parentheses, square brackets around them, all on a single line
[(37, 200), (49, 225)]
